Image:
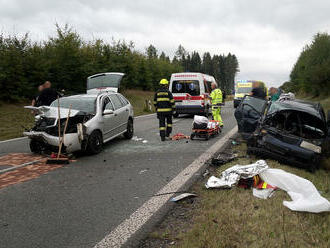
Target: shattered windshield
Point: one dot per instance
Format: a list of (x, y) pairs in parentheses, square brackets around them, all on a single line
[(84, 104), (303, 120)]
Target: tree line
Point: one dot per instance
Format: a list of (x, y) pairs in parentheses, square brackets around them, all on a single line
[(67, 60), (311, 72)]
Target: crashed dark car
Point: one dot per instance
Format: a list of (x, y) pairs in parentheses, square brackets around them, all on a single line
[(294, 132)]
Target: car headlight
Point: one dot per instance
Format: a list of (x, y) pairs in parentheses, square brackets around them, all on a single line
[(310, 146)]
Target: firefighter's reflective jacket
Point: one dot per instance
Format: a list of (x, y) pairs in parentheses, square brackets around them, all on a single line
[(164, 102)]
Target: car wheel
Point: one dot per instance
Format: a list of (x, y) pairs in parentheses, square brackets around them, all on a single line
[(36, 146), (95, 143), (130, 130)]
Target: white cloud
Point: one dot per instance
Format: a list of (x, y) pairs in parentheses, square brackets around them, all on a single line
[(266, 36)]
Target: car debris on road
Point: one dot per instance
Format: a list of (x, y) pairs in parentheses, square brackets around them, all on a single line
[(182, 197), (291, 131), (223, 158), (303, 193)]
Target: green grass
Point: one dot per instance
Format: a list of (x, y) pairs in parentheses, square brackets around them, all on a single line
[(235, 218), (14, 118), (325, 101), (138, 98)]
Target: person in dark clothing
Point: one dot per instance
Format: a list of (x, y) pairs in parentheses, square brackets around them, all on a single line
[(164, 104), (47, 95), (258, 91), (35, 99)]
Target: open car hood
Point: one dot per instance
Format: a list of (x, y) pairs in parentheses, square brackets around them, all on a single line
[(108, 81)]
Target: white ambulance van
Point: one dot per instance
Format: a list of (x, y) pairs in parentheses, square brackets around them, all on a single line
[(191, 93)]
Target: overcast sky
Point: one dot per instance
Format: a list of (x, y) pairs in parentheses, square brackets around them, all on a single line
[(265, 35)]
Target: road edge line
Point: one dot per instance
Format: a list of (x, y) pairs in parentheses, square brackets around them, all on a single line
[(126, 229), (14, 139)]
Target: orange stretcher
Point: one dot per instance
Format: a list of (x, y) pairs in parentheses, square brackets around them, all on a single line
[(206, 133)]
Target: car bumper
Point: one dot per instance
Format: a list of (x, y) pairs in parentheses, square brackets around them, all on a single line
[(190, 109), (71, 140)]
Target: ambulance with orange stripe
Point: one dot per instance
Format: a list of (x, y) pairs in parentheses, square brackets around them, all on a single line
[(191, 93)]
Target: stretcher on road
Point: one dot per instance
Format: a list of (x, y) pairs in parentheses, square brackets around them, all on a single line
[(213, 128)]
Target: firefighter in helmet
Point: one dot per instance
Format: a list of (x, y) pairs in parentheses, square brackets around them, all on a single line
[(216, 96), (164, 104)]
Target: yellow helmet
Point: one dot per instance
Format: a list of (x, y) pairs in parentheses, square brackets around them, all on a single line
[(163, 82)]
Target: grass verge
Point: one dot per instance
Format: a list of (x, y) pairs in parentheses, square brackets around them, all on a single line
[(14, 118), (235, 218)]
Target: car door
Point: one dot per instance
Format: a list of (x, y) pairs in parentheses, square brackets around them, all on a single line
[(249, 113), (121, 113), (110, 121)]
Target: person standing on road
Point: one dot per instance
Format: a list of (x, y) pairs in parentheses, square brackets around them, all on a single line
[(164, 104), (216, 96), (47, 95)]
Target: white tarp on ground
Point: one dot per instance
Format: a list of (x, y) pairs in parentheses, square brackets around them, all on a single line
[(303, 193), (232, 175)]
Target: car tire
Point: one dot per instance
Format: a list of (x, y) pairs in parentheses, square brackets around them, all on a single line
[(36, 146), (130, 129), (175, 115), (95, 142)]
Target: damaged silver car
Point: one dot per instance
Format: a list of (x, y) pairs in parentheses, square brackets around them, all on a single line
[(295, 132), (94, 119)]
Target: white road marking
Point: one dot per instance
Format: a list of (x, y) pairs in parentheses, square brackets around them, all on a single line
[(9, 140), (120, 235)]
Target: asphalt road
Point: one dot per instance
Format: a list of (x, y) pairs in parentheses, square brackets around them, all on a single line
[(79, 204)]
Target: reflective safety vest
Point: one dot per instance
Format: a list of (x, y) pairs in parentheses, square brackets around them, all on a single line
[(216, 96), (164, 102)]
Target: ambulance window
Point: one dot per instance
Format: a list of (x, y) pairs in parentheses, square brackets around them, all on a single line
[(186, 86), (207, 85)]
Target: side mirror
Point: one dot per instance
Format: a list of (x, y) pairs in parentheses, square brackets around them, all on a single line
[(108, 112)]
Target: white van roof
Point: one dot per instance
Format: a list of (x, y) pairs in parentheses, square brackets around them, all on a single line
[(192, 75)]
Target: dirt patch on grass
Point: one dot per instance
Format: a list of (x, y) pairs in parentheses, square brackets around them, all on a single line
[(235, 218)]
